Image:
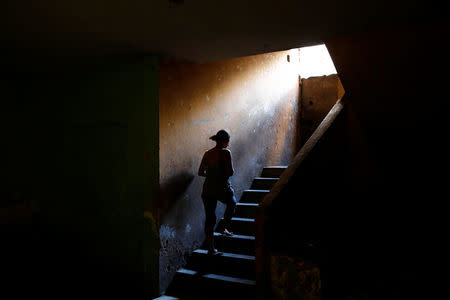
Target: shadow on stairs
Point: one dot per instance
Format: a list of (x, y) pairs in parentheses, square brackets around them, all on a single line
[(230, 275)]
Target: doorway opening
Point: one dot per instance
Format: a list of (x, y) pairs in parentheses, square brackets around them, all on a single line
[(315, 61), (320, 88)]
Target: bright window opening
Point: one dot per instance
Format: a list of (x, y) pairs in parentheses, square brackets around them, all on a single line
[(315, 61)]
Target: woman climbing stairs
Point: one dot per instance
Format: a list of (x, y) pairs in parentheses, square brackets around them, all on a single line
[(230, 275)]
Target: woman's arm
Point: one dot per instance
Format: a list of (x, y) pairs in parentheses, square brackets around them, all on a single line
[(229, 171), (202, 168)]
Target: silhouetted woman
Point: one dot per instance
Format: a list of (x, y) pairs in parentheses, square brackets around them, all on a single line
[(217, 167)]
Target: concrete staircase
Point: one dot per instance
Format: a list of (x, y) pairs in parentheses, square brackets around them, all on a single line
[(232, 274)]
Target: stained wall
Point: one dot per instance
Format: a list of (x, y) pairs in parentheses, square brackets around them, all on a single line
[(319, 94), (256, 99)]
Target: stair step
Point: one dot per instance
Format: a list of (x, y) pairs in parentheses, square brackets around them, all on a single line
[(273, 171), (241, 244), (219, 278), (229, 264), (192, 282), (263, 183), (246, 210), (164, 297), (245, 226), (202, 252), (253, 196)]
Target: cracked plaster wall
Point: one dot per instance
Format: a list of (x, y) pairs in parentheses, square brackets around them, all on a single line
[(256, 99)]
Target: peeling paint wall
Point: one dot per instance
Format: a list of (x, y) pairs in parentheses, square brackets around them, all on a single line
[(256, 99), (293, 278)]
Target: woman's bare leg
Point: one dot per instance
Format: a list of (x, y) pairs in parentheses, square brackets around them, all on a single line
[(210, 221), (224, 223)]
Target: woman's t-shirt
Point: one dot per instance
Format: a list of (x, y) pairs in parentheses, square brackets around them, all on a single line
[(219, 168)]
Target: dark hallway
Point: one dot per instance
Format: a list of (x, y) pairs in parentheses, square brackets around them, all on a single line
[(89, 106)]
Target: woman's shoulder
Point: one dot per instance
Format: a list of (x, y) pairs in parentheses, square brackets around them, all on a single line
[(225, 152), (217, 151), (209, 152)]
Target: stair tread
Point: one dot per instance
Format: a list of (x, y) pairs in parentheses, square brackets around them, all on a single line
[(275, 167), (227, 254), (256, 191), (242, 219), (235, 236), (267, 178), (247, 204), (218, 277), (273, 171), (164, 297)]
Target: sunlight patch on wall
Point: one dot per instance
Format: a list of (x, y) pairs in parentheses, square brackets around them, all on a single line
[(315, 61)]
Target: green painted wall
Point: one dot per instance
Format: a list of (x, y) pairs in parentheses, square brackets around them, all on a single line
[(83, 146)]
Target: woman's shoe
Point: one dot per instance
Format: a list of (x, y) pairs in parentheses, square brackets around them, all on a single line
[(213, 252), (226, 232)]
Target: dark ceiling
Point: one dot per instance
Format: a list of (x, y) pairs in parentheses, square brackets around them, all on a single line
[(193, 30)]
